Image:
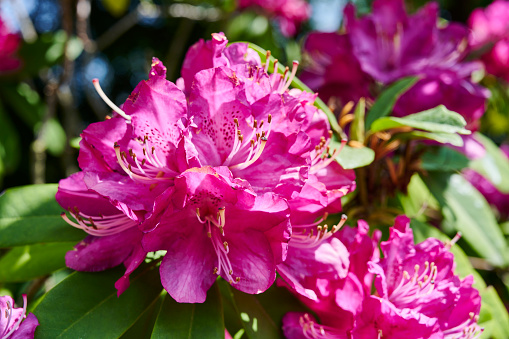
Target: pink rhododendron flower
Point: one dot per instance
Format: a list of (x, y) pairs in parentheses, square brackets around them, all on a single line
[(12, 325), (490, 24), (9, 45), (289, 14), (206, 176), (417, 294)]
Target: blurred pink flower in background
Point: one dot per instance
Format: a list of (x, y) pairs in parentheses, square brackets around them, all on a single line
[(12, 325), (288, 14), (9, 45)]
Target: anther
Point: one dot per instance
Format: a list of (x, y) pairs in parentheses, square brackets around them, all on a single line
[(269, 118)]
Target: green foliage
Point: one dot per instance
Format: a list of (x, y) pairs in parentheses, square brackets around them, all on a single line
[(438, 119), (191, 320), (385, 102), (494, 165), (31, 261), (30, 215), (465, 210), (86, 304)]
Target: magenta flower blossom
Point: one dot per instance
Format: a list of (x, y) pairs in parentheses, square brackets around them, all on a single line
[(12, 325), (207, 176), (9, 45), (428, 302), (490, 30), (289, 14), (417, 282)]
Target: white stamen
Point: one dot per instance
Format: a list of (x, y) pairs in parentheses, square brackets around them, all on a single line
[(108, 101)]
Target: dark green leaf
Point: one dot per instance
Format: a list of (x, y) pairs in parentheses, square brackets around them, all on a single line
[(177, 320), (25, 101), (438, 119), (385, 102), (30, 215), (494, 165), (351, 157), (142, 329), (44, 52), (85, 305), (443, 159), (250, 314), (29, 262), (466, 210)]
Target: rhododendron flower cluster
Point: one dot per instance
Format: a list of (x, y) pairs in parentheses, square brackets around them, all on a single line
[(490, 34), (417, 294), (288, 14), (388, 45), (9, 45), (215, 173), (12, 325)]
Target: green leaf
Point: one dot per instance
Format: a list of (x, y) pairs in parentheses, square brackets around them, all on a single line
[(178, 320), (438, 119), (417, 199), (351, 157), (30, 215), (494, 165), (29, 262), (466, 210), (142, 329), (44, 52), (357, 127), (85, 305), (250, 314), (444, 138), (296, 83), (443, 159), (500, 329), (385, 102)]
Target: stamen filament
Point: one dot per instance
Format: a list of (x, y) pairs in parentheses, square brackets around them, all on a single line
[(108, 101)]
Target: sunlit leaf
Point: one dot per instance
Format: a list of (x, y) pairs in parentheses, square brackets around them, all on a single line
[(30, 215), (353, 157), (385, 102), (85, 305), (31, 261), (438, 119)]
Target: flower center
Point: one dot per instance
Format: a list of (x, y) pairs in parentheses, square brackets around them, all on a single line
[(313, 235), (415, 286), (215, 230), (150, 170), (254, 148), (469, 329), (100, 226)]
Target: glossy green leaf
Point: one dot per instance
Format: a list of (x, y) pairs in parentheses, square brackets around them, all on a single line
[(142, 329), (85, 305), (443, 159), (296, 83), (444, 138), (29, 262), (188, 321), (438, 119), (249, 313), (385, 102), (500, 325), (357, 127), (30, 215), (417, 199), (466, 211), (494, 165), (351, 157)]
